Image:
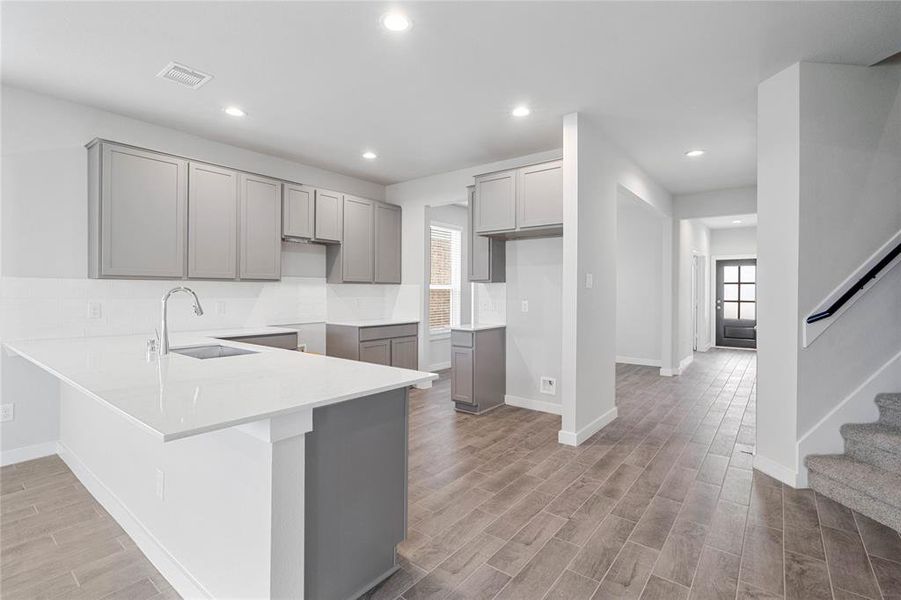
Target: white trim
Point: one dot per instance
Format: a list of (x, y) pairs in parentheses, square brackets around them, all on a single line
[(17, 455), (442, 333), (776, 470), (442, 366), (683, 364), (540, 405), (571, 438), (811, 331), (176, 574), (632, 360)]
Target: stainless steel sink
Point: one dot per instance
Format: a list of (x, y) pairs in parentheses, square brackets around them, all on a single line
[(214, 351)]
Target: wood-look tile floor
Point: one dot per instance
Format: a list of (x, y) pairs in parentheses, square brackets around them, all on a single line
[(661, 504), (56, 541)]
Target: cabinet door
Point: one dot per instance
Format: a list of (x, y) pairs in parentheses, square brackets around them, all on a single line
[(356, 249), (297, 211), (405, 353), (539, 195), (260, 243), (376, 351), (387, 243), (496, 202), (212, 222), (328, 216), (479, 246), (461, 375), (143, 213)]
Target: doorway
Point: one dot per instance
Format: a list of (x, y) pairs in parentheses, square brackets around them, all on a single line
[(736, 303)]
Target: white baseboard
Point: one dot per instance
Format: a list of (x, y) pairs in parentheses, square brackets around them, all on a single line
[(574, 438), (540, 405), (683, 364), (183, 582), (439, 366), (777, 470), (17, 455), (631, 360)]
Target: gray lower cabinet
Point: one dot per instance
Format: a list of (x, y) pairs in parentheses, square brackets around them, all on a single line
[(386, 243), (260, 243), (370, 251), (524, 202), (478, 368), (392, 345), (487, 256), (212, 222), (328, 217), (138, 209), (298, 211)]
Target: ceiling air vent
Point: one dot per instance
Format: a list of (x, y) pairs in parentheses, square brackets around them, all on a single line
[(183, 75)]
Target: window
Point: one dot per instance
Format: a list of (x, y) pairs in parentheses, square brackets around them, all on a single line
[(444, 284)]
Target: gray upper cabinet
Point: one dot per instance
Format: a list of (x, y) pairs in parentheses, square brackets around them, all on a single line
[(387, 243), (259, 243), (297, 211), (212, 222), (329, 210), (370, 249), (496, 207), (138, 204), (540, 195), (487, 256), (524, 202)]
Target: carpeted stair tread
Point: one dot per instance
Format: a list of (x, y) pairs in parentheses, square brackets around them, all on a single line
[(865, 479), (889, 408), (883, 436)]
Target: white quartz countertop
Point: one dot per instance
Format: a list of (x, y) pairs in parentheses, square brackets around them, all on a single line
[(476, 327), (374, 322), (177, 396)]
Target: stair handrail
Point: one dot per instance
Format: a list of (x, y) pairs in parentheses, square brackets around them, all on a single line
[(861, 283)]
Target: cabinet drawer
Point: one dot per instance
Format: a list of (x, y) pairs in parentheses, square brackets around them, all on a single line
[(461, 338), (276, 340), (388, 331)]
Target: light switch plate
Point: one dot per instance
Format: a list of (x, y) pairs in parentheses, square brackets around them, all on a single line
[(589, 280), (525, 306), (7, 412), (95, 310)]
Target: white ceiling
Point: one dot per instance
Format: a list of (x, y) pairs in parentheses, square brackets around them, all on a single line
[(322, 81), (728, 222)]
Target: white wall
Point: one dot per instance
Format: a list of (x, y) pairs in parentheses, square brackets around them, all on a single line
[(594, 170), (830, 194), (715, 203), (534, 343), (639, 281), (734, 241), (44, 290)]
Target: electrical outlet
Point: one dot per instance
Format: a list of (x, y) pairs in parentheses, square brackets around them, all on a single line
[(221, 308), (301, 347), (589, 280), (7, 412), (160, 484), (548, 386), (95, 310), (525, 306)]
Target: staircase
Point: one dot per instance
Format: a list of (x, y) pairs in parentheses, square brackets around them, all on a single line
[(867, 477)]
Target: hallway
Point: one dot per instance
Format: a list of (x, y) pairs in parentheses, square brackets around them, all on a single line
[(662, 503)]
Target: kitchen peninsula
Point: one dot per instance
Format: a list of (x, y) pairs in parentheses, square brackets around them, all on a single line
[(235, 474)]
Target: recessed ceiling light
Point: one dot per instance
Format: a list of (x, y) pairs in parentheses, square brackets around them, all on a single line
[(736, 221), (234, 111), (694, 153), (521, 111), (370, 155), (395, 21)]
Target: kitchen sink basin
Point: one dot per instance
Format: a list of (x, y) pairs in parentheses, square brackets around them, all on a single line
[(214, 351)]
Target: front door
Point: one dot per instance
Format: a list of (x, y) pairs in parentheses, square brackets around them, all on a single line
[(736, 303)]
